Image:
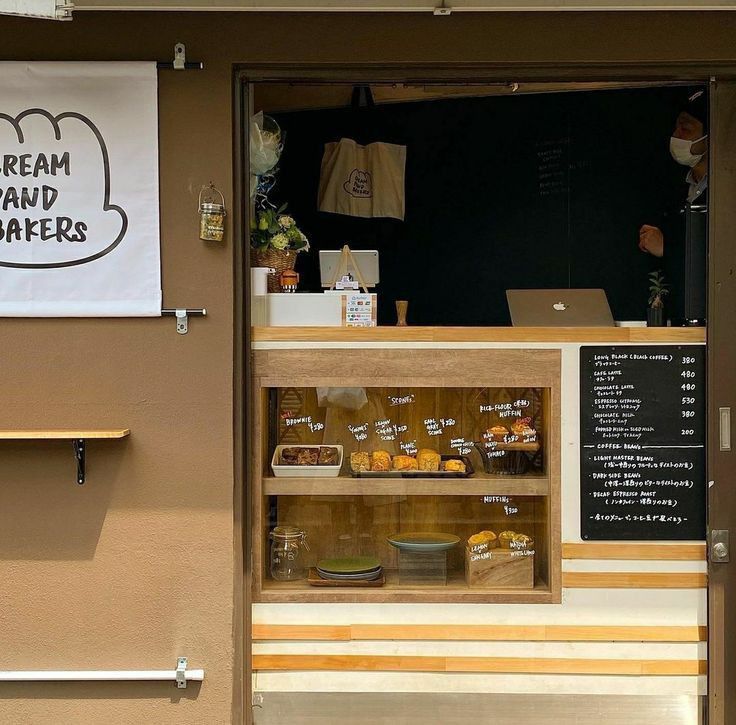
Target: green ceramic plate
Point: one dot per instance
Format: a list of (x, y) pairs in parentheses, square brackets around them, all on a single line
[(423, 541), (349, 564)]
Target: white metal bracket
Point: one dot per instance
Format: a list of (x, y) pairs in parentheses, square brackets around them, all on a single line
[(180, 57), (182, 322), (181, 673), (64, 9)]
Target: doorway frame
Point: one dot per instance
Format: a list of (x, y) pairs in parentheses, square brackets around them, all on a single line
[(246, 75)]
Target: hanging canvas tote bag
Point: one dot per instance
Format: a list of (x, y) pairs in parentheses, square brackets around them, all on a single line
[(363, 181)]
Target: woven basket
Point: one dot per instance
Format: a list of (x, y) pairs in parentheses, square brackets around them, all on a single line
[(276, 259)]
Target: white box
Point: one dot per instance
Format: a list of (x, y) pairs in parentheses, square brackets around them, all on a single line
[(299, 309)]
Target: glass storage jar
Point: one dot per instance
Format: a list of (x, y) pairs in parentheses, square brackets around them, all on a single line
[(287, 560)]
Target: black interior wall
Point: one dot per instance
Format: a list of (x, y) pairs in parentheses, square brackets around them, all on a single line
[(545, 190)]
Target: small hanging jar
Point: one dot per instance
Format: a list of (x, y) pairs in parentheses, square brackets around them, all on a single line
[(211, 214), (287, 560)]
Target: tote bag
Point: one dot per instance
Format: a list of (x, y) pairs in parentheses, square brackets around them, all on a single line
[(363, 181)]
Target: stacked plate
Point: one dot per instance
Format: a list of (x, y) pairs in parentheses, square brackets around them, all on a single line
[(351, 568), (423, 541)]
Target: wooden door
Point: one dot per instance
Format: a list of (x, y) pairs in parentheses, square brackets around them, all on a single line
[(721, 400)]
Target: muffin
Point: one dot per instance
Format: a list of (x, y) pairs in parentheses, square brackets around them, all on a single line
[(488, 538), (505, 538), (522, 542), (404, 463), (522, 429), (498, 433), (360, 461), (380, 461), (428, 460)]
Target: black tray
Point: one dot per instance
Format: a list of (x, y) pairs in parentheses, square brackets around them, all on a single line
[(469, 471)]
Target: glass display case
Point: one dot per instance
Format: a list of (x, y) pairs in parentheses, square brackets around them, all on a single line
[(406, 492)]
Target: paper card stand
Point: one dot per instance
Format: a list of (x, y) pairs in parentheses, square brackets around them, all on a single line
[(358, 310)]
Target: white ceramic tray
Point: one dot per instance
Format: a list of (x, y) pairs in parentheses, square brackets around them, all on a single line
[(282, 471)]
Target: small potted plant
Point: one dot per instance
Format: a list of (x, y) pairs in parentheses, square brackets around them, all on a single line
[(658, 289), (275, 240)]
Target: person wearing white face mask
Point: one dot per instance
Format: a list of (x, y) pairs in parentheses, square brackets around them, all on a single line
[(688, 147)]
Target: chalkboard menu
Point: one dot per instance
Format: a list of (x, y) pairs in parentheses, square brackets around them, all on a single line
[(642, 437)]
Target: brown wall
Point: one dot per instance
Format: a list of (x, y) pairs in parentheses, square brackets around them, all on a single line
[(137, 566)]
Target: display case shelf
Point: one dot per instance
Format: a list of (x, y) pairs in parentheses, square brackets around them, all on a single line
[(487, 485), (456, 590)]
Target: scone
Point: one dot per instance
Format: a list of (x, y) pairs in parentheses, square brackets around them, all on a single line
[(380, 461), (360, 461), (404, 463), (428, 460), (505, 538), (455, 465), (328, 456)]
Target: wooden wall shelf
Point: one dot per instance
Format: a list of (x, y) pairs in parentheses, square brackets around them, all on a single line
[(78, 436), (349, 486)]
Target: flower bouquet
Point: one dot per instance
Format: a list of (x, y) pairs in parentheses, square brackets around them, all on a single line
[(275, 240)]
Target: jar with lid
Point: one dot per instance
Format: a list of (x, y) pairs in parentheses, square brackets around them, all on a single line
[(211, 214), (287, 558)]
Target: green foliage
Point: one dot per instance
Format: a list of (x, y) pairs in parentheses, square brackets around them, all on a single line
[(658, 289), (273, 229)]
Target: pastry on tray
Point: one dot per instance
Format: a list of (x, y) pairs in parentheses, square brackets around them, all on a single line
[(360, 461), (404, 463), (428, 460), (498, 433), (307, 457), (328, 456), (380, 461), (454, 465)]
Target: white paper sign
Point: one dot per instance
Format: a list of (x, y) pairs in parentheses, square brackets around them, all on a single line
[(79, 224)]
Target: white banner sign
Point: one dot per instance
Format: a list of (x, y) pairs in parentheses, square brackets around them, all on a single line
[(79, 225)]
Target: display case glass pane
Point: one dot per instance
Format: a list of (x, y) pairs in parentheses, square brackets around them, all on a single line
[(427, 486)]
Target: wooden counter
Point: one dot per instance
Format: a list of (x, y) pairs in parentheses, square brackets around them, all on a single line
[(684, 335)]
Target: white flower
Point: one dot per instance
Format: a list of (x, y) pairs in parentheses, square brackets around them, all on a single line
[(286, 222), (279, 241)]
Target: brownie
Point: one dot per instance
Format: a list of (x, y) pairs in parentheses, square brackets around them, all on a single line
[(328, 456), (289, 456), (307, 457)]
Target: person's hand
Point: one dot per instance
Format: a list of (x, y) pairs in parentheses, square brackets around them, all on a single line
[(651, 240)]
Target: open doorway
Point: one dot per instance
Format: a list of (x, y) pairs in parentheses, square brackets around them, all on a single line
[(507, 186)]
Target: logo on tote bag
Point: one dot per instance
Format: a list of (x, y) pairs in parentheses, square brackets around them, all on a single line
[(359, 184)]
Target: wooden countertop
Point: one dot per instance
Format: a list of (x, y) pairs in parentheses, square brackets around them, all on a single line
[(683, 335)]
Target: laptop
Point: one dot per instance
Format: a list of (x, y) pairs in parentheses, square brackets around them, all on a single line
[(559, 308)]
